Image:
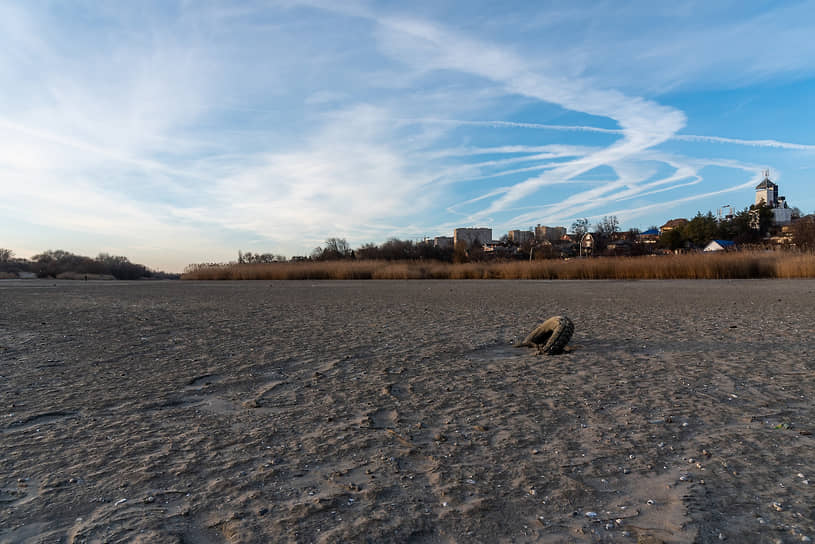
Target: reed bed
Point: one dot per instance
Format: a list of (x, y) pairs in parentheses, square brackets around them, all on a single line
[(771, 264)]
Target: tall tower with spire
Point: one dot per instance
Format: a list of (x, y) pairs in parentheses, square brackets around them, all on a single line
[(767, 192), (767, 195)]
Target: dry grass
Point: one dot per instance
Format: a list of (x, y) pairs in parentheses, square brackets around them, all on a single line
[(80, 276), (692, 266)]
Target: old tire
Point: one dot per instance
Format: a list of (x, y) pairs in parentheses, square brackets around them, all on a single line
[(551, 336)]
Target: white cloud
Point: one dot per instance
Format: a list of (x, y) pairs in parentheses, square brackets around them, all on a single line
[(752, 143), (644, 124), (346, 179)]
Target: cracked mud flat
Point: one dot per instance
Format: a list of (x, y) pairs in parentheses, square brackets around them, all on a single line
[(397, 412)]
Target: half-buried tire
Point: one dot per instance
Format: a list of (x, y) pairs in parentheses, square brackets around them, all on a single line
[(551, 336)]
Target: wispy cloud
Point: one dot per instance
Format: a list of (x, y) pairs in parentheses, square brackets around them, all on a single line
[(644, 124), (513, 124), (562, 150), (331, 185), (627, 214), (599, 130), (752, 143)]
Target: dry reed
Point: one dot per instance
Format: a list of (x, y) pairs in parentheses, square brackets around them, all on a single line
[(691, 266)]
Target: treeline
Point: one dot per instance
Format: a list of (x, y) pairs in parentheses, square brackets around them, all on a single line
[(338, 249), (259, 258), (748, 226), (394, 249), (64, 264)]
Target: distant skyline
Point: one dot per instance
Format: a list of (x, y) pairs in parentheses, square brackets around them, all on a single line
[(181, 132)]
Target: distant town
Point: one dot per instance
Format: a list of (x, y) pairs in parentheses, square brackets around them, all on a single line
[(769, 222)]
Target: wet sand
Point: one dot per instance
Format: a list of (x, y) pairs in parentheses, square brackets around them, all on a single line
[(399, 412)]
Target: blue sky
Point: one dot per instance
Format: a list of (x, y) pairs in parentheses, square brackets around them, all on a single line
[(180, 132)]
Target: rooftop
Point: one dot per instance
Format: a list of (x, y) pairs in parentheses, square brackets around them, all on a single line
[(766, 184), (724, 243)]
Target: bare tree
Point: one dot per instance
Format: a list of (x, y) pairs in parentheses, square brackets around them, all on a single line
[(608, 225), (580, 227), (6, 255), (335, 249), (260, 258), (338, 247), (368, 251), (604, 231)]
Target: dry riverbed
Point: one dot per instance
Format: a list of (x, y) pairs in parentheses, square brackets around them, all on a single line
[(399, 412)]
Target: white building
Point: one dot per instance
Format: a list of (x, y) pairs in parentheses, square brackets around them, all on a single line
[(520, 236), (767, 194), (443, 242), (720, 245), (470, 236), (552, 234)]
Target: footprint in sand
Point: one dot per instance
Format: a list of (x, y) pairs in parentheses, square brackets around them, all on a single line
[(114, 521), (396, 390), (25, 491), (38, 420), (383, 419), (201, 382), (274, 394)]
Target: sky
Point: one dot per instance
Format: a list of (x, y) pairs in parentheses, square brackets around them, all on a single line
[(178, 132)]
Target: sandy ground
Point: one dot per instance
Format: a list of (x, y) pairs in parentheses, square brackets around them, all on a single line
[(398, 412)]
